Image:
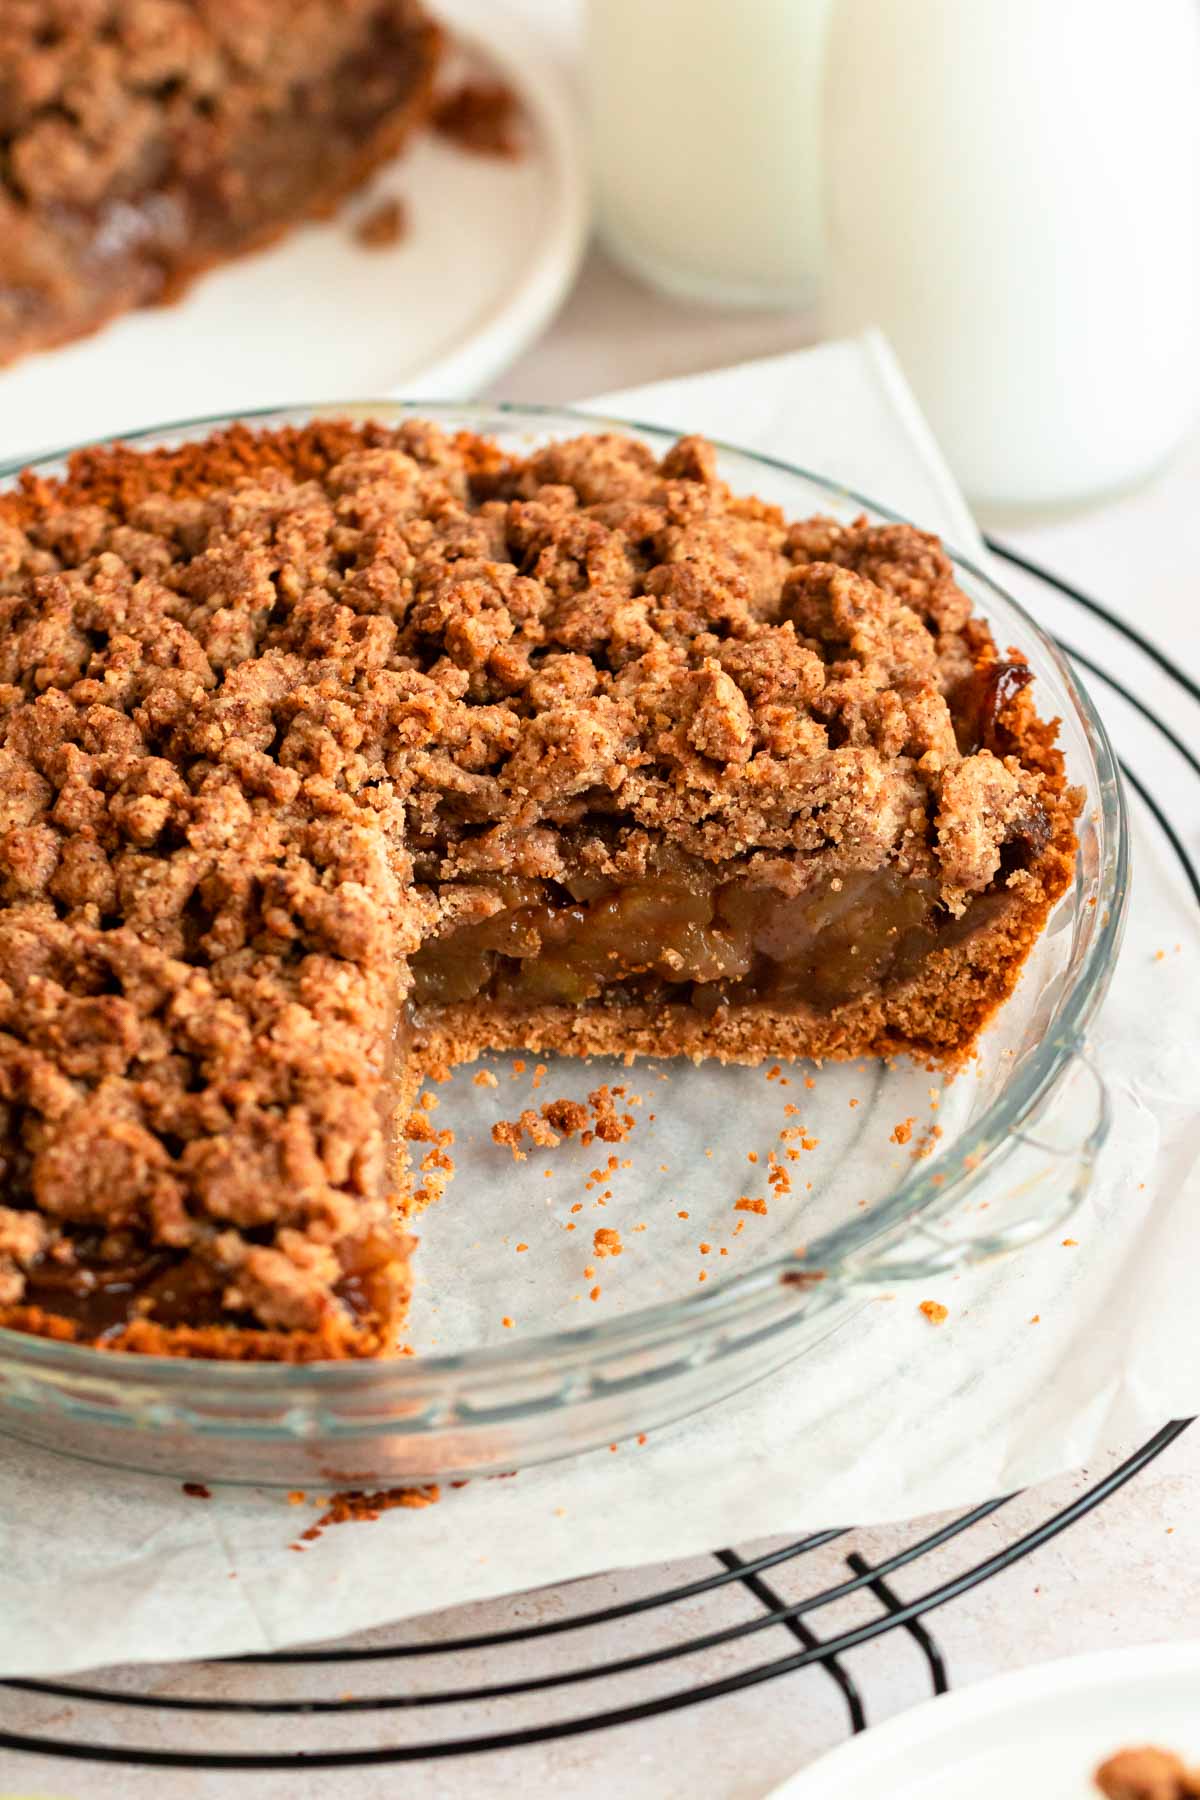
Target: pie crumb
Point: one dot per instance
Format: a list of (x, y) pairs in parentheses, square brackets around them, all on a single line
[(482, 117), (384, 226), (1147, 1773)]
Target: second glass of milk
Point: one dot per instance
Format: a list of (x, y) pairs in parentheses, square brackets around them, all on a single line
[(707, 143)]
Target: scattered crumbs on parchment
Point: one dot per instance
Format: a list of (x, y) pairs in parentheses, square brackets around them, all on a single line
[(196, 1490), (297, 1497), (902, 1133), (507, 1322), (746, 1204), (934, 1311), (1036, 1319), (355, 1505), (606, 1242), (486, 1078), (595, 1294), (521, 1247)]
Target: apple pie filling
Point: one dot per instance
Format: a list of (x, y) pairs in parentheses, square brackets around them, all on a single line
[(693, 937)]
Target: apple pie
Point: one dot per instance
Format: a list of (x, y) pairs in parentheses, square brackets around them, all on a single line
[(333, 755)]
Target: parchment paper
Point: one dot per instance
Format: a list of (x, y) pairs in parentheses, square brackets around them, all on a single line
[(887, 1418)]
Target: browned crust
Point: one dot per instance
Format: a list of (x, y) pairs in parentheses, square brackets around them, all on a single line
[(384, 143)]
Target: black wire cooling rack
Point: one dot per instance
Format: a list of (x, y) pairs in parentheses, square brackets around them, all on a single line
[(654, 1633)]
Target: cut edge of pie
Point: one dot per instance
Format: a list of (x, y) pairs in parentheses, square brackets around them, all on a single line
[(334, 755)]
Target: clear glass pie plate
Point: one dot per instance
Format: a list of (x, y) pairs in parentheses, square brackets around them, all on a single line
[(530, 1342)]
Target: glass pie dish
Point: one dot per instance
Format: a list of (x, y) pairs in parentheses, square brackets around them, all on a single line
[(733, 1226)]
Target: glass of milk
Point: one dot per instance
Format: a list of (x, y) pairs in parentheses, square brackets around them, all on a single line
[(1012, 195), (707, 144)]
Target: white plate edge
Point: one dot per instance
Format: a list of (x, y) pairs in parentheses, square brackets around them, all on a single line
[(919, 1725), (545, 87)]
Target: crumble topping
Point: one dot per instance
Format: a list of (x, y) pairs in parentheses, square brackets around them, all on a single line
[(271, 706)]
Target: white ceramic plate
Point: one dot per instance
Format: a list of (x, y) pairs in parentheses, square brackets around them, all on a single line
[(490, 251), (1038, 1733)]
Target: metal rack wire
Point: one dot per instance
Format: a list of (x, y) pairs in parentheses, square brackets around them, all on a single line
[(861, 1604)]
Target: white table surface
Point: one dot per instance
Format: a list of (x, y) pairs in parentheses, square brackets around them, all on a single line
[(1128, 1573)]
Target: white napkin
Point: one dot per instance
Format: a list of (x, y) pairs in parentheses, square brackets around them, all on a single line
[(886, 1420)]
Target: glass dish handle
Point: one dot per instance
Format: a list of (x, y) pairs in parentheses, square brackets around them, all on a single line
[(1041, 1175)]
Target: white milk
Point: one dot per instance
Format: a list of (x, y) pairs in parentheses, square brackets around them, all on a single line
[(1013, 196), (707, 138)]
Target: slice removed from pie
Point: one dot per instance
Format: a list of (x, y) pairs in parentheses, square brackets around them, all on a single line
[(335, 755)]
